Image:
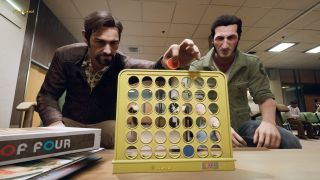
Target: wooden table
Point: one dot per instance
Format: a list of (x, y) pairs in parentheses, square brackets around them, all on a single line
[(271, 164)]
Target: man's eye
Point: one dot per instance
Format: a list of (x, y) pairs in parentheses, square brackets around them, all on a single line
[(232, 38), (99, 42), (114, 43), (219, 38)]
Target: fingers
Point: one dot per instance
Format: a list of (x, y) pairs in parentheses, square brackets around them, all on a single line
[(237, 140), (57, 124), (186, 43), (172, 52), (196, 53), (175, 49), (185, 52), (274, 142), (275, 139), (267, 141), (278, 140), (259, 138), (255, 137), (190, 48), (270, 139), (240, 140)]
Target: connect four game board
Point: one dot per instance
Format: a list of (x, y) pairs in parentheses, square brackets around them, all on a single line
[(172, 121)]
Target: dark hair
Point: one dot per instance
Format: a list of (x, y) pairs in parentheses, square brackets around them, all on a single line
[(226, 20), (99, 19), (293, 102)]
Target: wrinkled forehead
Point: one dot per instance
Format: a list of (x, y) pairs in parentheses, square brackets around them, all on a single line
[(226, 31), (106, 32)]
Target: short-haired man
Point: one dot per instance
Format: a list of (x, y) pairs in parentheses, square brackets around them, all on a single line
[(88, 72), (243, 72)]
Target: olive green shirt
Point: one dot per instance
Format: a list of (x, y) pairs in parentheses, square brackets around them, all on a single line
[(247, 72)]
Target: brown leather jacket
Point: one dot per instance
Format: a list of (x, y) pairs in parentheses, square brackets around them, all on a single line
[(82, 105)]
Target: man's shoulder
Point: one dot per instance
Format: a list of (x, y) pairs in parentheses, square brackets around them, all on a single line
[(249, 57), (199, 62), (73, 47), (203, 61), (72, 52)]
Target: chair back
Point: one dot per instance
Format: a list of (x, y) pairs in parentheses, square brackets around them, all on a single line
[(27, 117), (302, 117), (311, 117)]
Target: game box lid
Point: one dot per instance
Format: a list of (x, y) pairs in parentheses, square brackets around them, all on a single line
[(24, 144)]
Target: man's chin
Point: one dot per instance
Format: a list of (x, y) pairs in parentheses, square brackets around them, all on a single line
[(105, 61), (225, 56)]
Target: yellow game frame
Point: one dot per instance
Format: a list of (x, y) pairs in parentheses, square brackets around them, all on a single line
[(127, 159)]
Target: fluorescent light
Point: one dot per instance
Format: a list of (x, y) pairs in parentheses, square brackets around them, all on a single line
[(314, 50), (281, 47), (16, 7)]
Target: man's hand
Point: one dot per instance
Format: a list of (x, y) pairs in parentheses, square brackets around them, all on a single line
[(237, 140), (267, 135), (182, 54), (57, 124)]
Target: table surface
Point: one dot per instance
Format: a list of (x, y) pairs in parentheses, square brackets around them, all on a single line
[(270, 164)]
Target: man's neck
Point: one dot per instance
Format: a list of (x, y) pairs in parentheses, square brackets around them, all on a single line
[(223, 63), (95, 67)]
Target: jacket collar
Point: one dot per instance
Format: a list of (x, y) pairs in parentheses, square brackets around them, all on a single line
[(83, 54), (236, 66)]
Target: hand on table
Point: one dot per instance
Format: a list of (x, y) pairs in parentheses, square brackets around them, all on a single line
[(237, 140), (57, 124), (267, 135)]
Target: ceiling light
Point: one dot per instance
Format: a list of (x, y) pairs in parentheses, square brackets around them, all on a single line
[(16, 7), (281, 47), (314, 50)]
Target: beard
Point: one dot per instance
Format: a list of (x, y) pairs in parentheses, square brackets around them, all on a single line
[(220, 54), (104, 59)]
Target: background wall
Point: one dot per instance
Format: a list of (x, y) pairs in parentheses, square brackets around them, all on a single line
[(44, 33), (275, 85), (35, 79), (11, 44)]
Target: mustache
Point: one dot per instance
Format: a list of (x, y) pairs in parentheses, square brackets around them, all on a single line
[(102, 54)]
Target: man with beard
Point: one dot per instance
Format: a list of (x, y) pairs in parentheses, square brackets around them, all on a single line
[(88, 72), (244, 71)]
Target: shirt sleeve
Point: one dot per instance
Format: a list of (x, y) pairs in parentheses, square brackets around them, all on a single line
[(259, 85)]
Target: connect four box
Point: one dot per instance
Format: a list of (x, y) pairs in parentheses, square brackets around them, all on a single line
[(25, 144), (172, 121)]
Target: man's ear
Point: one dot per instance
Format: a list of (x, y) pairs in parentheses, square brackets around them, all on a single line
[(211, 39), (84, 37)]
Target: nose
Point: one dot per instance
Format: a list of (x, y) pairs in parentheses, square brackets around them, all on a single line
[(225, 43), (107, 48)]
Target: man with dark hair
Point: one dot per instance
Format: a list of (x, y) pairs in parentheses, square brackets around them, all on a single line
[(244, 71), (294, 120), (88, 72)]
